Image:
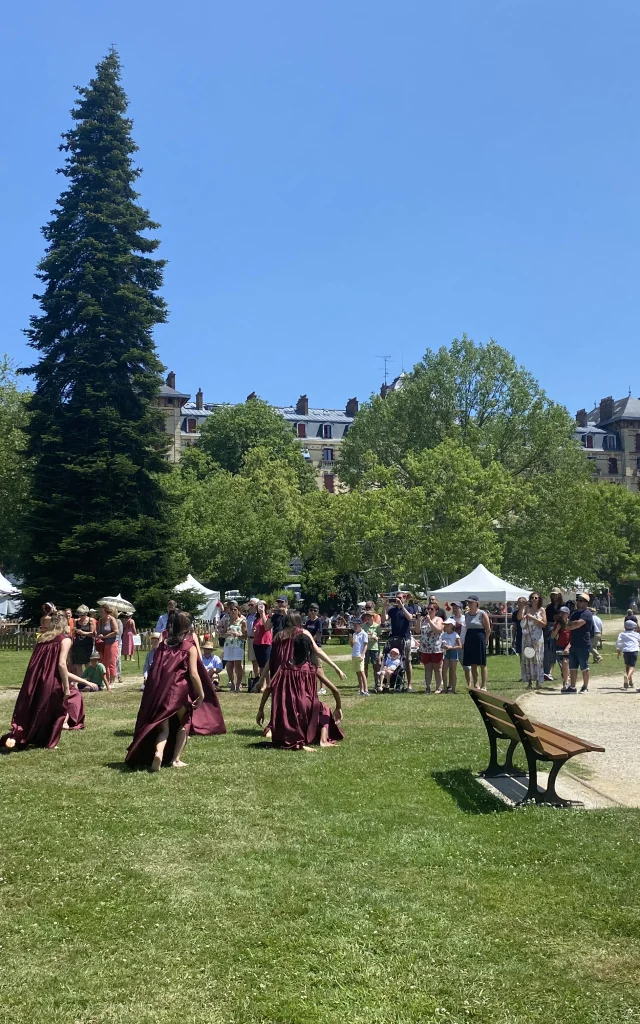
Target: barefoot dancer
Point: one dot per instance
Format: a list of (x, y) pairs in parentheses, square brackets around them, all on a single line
[(178, 699), (298, 718), (43, 707)]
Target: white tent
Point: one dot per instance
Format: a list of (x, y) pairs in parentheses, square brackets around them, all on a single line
[(9, 598), (483, 584), (209, 609)]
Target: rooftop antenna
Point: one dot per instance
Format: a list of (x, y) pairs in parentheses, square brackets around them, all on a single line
[(386, 360)]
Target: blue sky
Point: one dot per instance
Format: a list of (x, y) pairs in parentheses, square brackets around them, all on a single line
[(344, 180)]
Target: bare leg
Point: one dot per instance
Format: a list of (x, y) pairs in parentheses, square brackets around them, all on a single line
[(181, 739), (483, 672), (467, 674), (161, 742), (324, 738), (474, 675), (453, 675), (231, 673), (428, 673), (437, 668), (585, 679), (239, 675)]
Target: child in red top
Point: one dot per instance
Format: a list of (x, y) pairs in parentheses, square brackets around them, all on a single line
[(562, 637)]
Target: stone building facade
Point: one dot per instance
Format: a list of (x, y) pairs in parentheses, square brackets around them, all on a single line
[(610, 433)]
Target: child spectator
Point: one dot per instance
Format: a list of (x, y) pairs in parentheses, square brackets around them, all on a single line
[(359, 640), (212, 663), (562, 637), (154, 640), (451, 645), (392, 663), (628, 643), (94, 675)]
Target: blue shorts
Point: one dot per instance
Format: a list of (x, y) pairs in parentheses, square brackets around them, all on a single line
[(450, 655), (579, 658)]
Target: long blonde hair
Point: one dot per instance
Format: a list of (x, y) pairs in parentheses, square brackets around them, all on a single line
[(59, 624)]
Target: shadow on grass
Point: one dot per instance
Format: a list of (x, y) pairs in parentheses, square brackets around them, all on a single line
[(123, 732), (247, 732), (261, 745), (467, 792), (119, 766)]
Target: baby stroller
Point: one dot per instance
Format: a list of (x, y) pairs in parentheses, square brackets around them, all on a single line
[(396, 682)]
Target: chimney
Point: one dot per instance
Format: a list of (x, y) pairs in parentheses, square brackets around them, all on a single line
[(352, 407), (383, 390), (171, 380), (302, 408), (606, 409), (251, 397), (581, 417), (199, 399)]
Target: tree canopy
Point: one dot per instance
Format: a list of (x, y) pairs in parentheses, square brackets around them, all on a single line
[(14, 467), (95, 436)]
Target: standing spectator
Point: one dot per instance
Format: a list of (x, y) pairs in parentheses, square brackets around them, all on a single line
[(370, 607), (163, 622), (580, 625), (551, 611), (434, 603), (128, 632), (628, 644), (262, 638), (372, 653), (533, 620), (120, 625), (154, 640), (562, 637), (252, 614), (278, 615), (516, 631), (358, 641), (400, 619), (234, 641), (631, 616), (452, 646), (313, 624), (478, 631), (107, 643), (83, 639), (431, 653), (70, 622), (49, 615), (597, 636)]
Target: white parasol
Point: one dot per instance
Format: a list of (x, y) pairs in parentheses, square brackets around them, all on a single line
[(119, 603)]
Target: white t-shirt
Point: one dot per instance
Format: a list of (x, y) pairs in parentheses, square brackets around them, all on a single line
[(450, 639), (628, 643), (360, 640), (597, 624), (393, 663)]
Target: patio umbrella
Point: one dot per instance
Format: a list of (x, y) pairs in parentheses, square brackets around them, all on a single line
[(119, 603)]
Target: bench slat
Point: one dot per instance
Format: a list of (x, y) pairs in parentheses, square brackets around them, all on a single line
[(568, 736), (503, 726)]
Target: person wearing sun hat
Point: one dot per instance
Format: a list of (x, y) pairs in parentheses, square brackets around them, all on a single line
[(211, 661)]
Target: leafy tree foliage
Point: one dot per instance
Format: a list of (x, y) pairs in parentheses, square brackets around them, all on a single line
[(98, 519), (14, 467), (476, 395), (232, 431)]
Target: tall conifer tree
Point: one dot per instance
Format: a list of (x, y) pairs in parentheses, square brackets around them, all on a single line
[(99, 522)]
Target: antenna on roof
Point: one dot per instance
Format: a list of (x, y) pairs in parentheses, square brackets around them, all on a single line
[(386, 359)]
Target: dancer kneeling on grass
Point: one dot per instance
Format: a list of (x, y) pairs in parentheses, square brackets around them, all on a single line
[(47, 702), (298, 718), (178, 700)]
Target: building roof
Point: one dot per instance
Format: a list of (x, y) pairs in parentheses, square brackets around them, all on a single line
[(190, 409), (589, 430), (627, 408), (314, 415), (167, 392)]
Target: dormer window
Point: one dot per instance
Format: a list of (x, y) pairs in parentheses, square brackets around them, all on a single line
[(192, 425), (326, 431), (588, 441), (610, 442), (301, 429)]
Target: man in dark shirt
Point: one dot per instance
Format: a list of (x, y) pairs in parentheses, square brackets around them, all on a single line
[(581, 627), (313, 624), (551, 610), (275, 622), (400, 619)]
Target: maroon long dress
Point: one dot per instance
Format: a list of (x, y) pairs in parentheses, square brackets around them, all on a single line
[(41, 709), (167, 690), (297, 713)]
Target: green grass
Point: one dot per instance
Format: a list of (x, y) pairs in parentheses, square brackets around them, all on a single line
[(374, 883)]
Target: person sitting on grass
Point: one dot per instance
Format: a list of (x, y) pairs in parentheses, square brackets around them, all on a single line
[(359, 640), (392, 663), (299, 719), (94, 675), (212, 663), (154, 640), (451, 646), (561, 637), (628, 644)]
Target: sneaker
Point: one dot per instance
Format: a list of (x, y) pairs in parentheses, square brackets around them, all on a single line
[(548, 677), (427, 689), (584, 689), (564, 689), (571, 689), (437, 691), (323, 691), (409, 689)]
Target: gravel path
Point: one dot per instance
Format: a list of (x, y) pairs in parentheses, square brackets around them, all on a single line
[(608, 715)]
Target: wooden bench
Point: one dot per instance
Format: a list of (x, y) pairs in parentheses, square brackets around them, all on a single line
[(505, 720)]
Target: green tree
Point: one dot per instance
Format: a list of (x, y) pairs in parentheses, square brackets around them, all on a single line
[(474, 394), (14, 467), (234, 430), (98, 522)]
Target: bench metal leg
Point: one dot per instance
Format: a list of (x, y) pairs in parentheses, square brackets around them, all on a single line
[(551, 797), (509, 767), (494, 768)]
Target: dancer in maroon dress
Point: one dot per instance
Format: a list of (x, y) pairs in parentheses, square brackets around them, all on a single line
[(298, 718), (178, 700), (47, 702)]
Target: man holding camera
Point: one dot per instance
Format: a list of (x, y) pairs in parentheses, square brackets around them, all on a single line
[(400, 619)]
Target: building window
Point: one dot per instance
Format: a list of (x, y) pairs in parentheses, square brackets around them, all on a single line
[(329, 484), (301, 429), (326, 431), (638, 462), (638, 442), (327, 454), (588, 441), (169, 401), (610, 442), (613, 467), (191, 426)]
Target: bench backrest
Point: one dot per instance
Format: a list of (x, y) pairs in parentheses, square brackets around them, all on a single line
[(499, 713)]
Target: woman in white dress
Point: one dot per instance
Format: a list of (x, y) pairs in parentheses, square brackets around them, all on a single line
[(533, 620)]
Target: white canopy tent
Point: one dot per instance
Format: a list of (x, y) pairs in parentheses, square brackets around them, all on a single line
[(482, 584), (10, 602), (209, 609)]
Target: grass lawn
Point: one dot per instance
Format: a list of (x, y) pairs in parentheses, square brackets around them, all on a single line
[(373, 883)]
